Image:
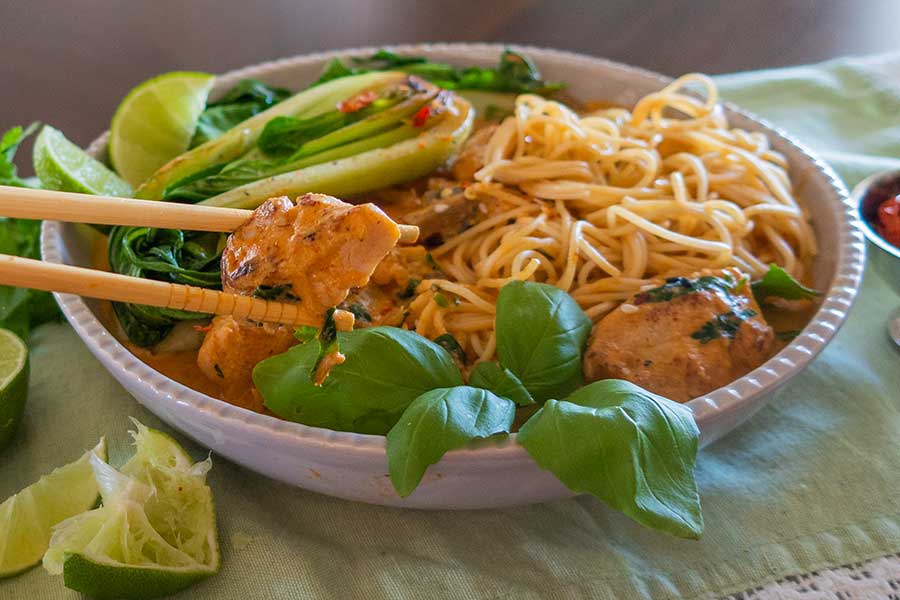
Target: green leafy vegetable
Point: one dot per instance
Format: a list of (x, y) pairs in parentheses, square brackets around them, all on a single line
[(725, 325), (779, 284), (493, 377), (631, 448), (385, 370), (284, 291), (21, 310), (366, 121), (541, 333), (451, 345), (675, 287), (514, 73), (438, 421), (242, 138), (172, 255), (9, 144), (246, 99), (306, 333)]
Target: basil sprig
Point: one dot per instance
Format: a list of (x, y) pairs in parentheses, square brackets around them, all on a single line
[(439, 421), (385, 370), (629, 447), (541, 333)]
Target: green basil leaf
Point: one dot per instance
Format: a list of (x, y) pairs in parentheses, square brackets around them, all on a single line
[(439, 421), (493, 377), (629, 447), (385, 370), (779, 284), (541, 333)]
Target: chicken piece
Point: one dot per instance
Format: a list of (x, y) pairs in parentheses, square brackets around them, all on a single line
[(683, 339), (471, 156), (232, 348), (312, 252)]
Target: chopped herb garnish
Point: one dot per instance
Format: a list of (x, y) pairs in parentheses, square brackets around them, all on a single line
[(778, 283), (441, 300), (431, 262), (725, 325), (284, 291), (328, 335), (359, 311), (681, 286), (786, 336), (219, 370), (410, 289), (306, 333), (449, 343)]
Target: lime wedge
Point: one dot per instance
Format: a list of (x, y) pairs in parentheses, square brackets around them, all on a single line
[(61, 165), (155, 533), (13, 385), (27, 517), (155, 123)]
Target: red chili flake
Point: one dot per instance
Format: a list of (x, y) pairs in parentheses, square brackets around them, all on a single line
[(357, 102), (203, 328), (421, 116)]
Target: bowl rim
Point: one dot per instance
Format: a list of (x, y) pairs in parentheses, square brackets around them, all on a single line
[(718, 405), (858, 196)]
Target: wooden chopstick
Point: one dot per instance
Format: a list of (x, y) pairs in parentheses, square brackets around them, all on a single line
[(25, 203), (68, 279)]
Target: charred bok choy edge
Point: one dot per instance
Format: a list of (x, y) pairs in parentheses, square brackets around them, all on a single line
[(633, 449), (347, 136)]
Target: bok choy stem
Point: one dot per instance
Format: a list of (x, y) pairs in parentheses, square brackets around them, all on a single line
[(237, 141)]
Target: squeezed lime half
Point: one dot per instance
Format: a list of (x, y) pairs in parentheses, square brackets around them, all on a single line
[(155, 533)]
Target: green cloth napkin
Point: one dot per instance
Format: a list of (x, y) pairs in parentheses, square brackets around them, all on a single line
[(810, 482)]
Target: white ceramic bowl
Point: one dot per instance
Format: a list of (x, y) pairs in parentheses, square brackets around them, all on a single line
[(353, 466)]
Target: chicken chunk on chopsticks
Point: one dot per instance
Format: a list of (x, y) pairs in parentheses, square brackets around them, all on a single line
[(311, 252), (682, 339)]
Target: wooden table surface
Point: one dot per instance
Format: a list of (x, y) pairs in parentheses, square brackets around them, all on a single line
[(69, 63)]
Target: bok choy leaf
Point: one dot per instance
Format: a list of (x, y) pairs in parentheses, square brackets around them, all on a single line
[(514, 73), (240, 139)]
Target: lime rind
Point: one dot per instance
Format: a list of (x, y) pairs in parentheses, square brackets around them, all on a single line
[(26, 518), (156, 121), (63, 166), (155, 533), (14, 372)]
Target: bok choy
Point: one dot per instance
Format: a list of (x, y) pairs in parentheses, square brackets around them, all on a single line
[(357, 125), (348, 136), (491, 90)]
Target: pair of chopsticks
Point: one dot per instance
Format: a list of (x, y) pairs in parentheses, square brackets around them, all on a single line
[(27, 203)]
